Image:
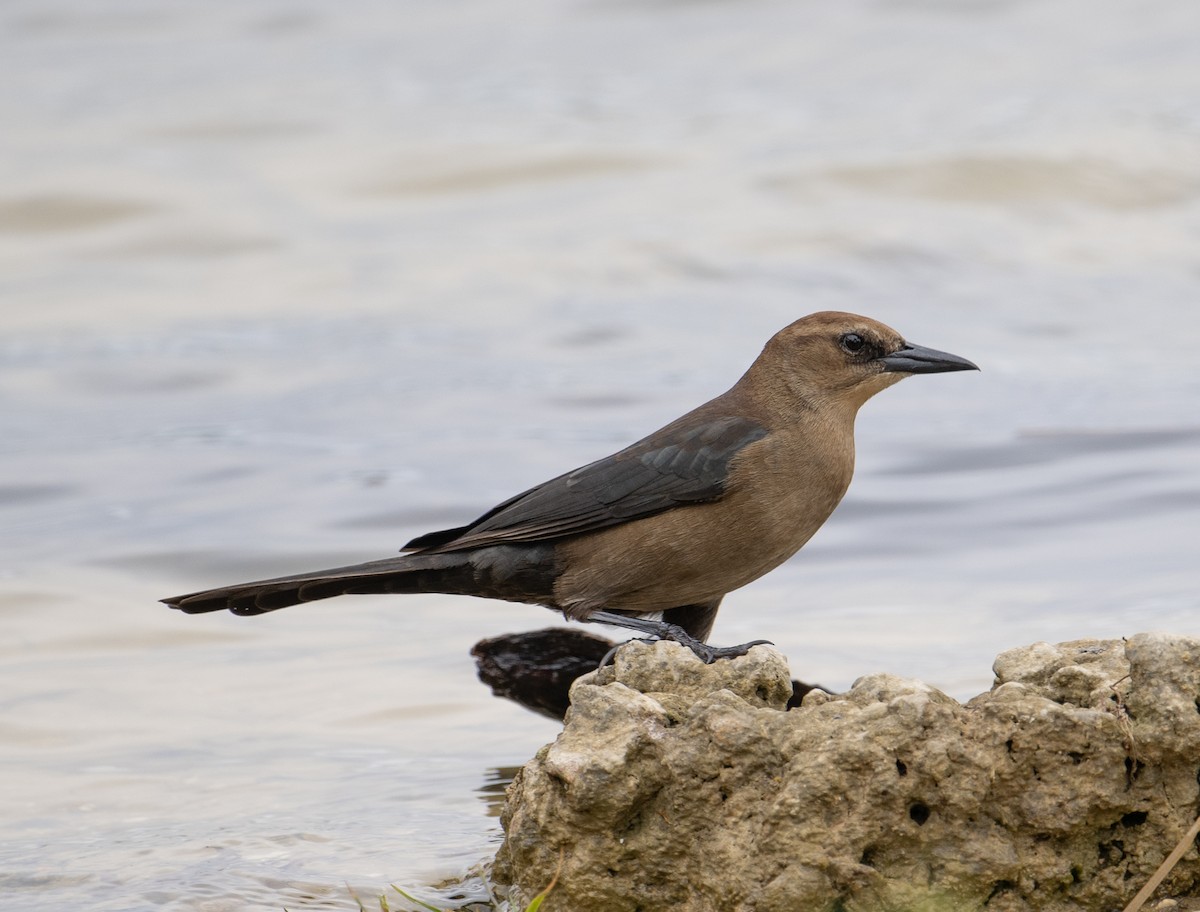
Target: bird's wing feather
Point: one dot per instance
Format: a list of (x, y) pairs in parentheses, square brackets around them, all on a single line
[(681, 464)]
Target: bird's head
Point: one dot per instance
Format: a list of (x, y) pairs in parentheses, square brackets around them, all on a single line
[(844, 359)]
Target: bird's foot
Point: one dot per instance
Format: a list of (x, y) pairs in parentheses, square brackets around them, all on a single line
[(659, 630), (706, 653)]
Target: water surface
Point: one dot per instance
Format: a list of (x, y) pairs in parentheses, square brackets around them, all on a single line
[(286, 284)]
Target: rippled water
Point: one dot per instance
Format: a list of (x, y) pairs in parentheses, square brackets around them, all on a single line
[(285, 284)]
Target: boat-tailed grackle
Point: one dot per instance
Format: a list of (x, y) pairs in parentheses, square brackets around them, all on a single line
[(652, 538)]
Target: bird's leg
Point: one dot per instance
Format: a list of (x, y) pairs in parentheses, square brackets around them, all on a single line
[(660, 630)]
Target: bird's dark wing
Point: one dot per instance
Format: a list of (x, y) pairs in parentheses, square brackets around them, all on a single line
[(684, 463)]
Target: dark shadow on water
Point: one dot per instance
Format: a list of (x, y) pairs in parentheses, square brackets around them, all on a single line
[(13, 495), (1042, 447), (496, 783)]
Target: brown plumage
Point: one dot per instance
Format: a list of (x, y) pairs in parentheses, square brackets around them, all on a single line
[(654, 536)]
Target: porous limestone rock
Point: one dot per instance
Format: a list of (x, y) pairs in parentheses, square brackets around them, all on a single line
[(682, 786)]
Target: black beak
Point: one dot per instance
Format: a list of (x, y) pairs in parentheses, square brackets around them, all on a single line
[(916, 359)]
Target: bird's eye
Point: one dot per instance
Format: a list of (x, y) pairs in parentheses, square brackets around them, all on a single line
[(852, 342)]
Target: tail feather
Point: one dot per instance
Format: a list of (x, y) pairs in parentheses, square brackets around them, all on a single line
[(394, 574), (519, 574)]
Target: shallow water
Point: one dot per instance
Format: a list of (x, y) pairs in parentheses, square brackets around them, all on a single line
[(285, 284)]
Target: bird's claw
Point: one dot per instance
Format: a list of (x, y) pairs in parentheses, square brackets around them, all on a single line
[(611, 654), (707, 654)]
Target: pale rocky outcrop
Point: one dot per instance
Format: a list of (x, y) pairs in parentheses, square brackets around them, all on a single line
[(680, 786)]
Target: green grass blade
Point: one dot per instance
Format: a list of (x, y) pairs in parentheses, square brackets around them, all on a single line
[(423, 905)]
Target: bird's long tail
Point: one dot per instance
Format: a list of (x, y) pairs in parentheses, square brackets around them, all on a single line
[(524, 575)]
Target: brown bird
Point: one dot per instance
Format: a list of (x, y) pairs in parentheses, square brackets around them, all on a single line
[(652, 538)]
